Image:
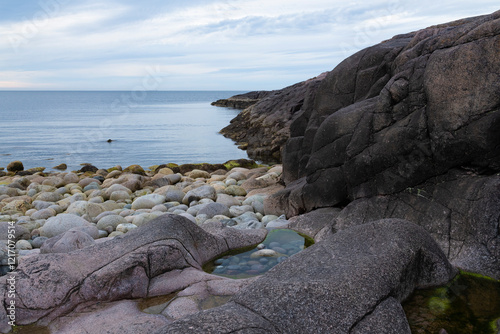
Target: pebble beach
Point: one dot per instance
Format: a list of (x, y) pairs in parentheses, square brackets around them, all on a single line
[(62, 211)]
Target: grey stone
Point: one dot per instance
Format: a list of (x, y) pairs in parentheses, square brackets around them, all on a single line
[(147, 201), (214, 209), (196, 194), (38, 242), (355, 279), (110, 220), (60, 224)]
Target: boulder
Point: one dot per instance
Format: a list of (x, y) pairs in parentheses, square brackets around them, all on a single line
[(393, 120), (352, 282), (397, 114), (51, 285), (60, 224)]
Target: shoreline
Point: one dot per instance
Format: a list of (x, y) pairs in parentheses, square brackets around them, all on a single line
[(104, 204)]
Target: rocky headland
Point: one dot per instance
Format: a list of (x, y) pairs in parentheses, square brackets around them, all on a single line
[(391, 162), (242, 101)]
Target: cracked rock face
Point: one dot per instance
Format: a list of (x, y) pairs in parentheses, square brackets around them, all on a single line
[(263, 128), (352, 282), (51, 285), (398, 113), (393, 119)]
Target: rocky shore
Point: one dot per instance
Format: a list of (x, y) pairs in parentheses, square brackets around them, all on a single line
[(390, 163), (63, 211)]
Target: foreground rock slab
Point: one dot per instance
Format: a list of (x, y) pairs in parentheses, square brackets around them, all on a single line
[(352, 282), (51, 285)]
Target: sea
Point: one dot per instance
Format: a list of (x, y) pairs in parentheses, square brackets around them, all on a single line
[(109, 128)]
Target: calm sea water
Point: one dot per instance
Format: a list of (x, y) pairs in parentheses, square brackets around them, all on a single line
[(44, 129)]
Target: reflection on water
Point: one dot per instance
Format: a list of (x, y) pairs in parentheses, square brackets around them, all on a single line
[(277, 247), (469, 304)]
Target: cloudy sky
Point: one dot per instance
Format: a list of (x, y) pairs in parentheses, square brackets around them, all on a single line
[(198, 45)]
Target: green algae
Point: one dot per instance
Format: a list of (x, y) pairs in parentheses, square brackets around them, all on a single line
[(470, 303), (30, 329)]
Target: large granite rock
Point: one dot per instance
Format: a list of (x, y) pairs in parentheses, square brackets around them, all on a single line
[(51, 285), (263, 128), (418, 111), (398, 113), (352, 282)]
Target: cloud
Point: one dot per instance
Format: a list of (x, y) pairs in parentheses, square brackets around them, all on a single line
[(252, 44)]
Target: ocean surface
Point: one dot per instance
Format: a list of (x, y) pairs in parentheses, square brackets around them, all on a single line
[(47, 128)]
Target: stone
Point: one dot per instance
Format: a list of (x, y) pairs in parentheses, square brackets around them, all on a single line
[(43, 214), (235, 191), (71, 178), (40, 205), (236, 211), (147, 201), (60, 224), (196, 173), (196, 194), (227, 200), (264, 253), (281, 222), (15, 166), (67, 242), (38, 242), (17, 206), (82, 208), (117, 187), (235, 175), (119, 196), (20, 232), (88, 181), (60, 167), (135, 169), (23, 245), (111, 220), (125, 227), (214, 209)]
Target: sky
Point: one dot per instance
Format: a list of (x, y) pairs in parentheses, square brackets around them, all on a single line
[(198, 45)]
